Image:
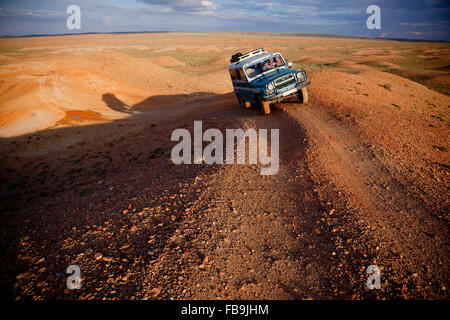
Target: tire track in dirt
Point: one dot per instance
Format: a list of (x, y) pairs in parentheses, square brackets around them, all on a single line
[(408, 238), (269, 237), (309, 231)]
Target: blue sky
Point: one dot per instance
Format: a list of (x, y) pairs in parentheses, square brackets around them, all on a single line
[(413, 19)]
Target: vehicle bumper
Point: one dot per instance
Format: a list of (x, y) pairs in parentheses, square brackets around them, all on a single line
[(282, 96)]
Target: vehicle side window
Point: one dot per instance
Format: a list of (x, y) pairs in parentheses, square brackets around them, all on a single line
[(279, 61), (232, 74), (242, 74), (237, 75)]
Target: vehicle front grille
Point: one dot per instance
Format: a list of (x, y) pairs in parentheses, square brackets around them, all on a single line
[(284, 81)]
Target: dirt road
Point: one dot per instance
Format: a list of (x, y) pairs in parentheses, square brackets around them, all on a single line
[(139, 227), (311, 231)]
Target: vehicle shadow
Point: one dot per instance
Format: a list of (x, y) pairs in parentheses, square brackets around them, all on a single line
[(149, 104), (182, 101), (64, 192), (71, 192), (115, 104)]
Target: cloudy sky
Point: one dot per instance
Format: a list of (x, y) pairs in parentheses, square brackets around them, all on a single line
[(414, 19)]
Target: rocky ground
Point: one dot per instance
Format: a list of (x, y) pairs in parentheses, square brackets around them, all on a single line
[(363, 180)]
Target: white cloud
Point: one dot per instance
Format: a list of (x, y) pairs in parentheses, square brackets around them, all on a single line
[(193, 7)]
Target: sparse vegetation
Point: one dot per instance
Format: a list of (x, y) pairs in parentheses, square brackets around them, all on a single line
[(310, 67), (441, 148), (437, 117), (387, 86)]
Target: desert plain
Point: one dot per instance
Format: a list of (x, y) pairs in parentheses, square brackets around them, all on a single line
[(86, 177)]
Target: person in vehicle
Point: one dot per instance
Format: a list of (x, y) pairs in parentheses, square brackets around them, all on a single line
[(269, 64), (253, 70), (264, 66)]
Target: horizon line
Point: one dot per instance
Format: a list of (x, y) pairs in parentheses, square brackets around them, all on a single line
[(225, 31)]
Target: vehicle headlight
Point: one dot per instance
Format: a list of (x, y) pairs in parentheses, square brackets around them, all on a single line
[(301, 76), (270, 88)]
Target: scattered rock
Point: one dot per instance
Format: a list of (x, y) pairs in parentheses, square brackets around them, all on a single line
[(155, 291), (98, 256)]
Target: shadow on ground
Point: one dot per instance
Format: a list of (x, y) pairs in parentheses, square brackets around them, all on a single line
[(107, 190)]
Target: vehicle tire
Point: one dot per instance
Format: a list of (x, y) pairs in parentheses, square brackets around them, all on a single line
[(242, 103), (264, 106), (303, 95), (239, 99)]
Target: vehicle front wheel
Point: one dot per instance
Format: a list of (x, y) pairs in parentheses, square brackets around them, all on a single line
[(303, 95), (264, 106)]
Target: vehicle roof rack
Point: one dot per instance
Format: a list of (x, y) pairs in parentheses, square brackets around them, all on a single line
[(238, 57)]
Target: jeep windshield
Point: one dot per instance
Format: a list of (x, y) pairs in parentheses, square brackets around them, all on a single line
[(264, 66)]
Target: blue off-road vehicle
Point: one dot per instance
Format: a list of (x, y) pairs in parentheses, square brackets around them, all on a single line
[(263, 78)]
